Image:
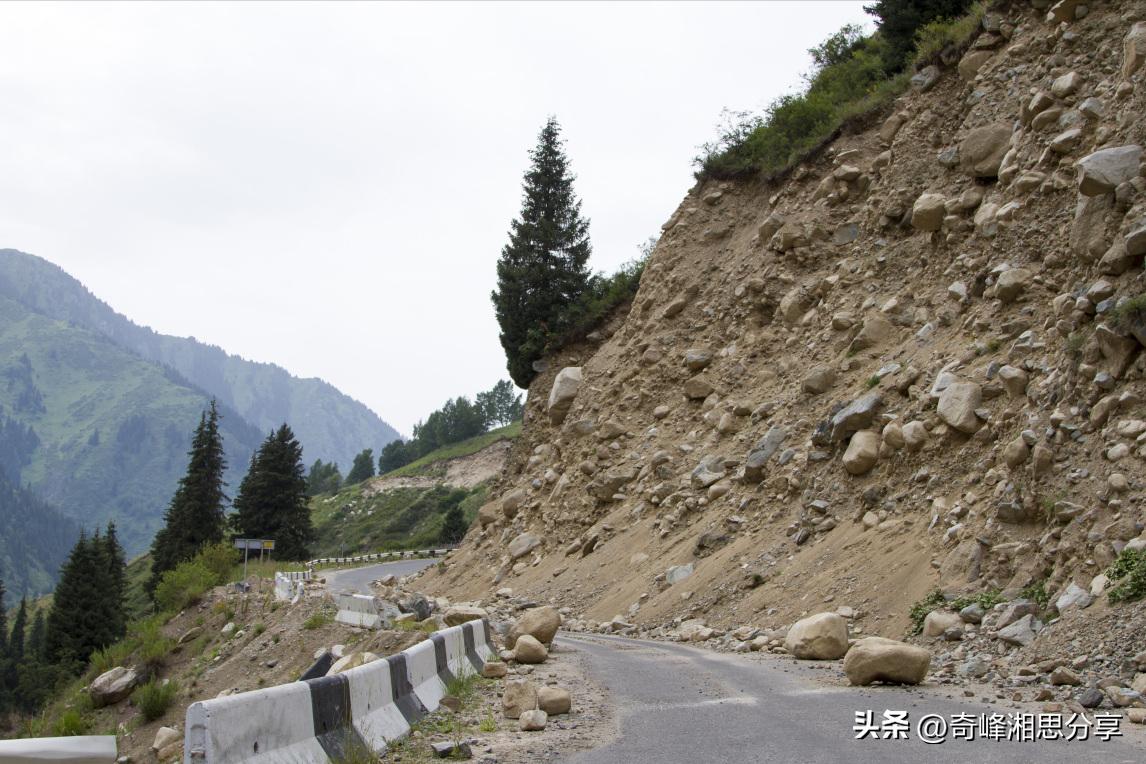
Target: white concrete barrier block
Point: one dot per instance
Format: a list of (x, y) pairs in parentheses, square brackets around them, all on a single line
[(81, 749)]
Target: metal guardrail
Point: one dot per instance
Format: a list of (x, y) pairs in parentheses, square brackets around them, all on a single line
[(401, 555)]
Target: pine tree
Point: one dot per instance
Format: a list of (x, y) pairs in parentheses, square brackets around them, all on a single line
[(115, 600), (35, 646), (76, 624), (19, 629), (899, 20), (362, 468), (3, 624), (542, 270), (272, 501), (195, 516), (453, 527)]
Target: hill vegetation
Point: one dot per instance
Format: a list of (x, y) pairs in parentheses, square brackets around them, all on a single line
[(853, 78)]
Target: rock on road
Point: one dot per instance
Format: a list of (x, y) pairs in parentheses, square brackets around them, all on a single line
[(686, 704), (358, 579)]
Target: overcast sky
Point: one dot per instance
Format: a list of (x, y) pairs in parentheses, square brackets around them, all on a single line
[(327, 187)]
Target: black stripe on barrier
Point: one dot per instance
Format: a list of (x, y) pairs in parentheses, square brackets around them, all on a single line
[(441, 658), (320, 667), (330, 705), (485, 628), (476, 661), (402, 691)]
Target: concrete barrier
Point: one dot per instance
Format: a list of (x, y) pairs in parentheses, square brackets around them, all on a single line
[(289, 587), (331, 717), (81, 749), (359, 610)]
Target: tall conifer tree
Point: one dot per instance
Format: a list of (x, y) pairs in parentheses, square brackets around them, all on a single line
[(19, 629), (195, 516), (272, 501), (543, 268)]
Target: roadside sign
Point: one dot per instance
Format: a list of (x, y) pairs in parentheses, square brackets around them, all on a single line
[(267, 544), (259, 545)]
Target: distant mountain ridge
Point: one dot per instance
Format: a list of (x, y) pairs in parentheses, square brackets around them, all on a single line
[(330, 425), (96, 431)]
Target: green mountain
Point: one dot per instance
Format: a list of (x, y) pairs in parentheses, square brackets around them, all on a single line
[(34, 540), (95, 430), (330, 425)]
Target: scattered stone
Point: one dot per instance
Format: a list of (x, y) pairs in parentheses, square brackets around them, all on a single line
[(518, 696), (523, 545), (528, 650), (554, 700), (981, 152), (862, 452), (494, 669), (1104, 170), (459, 614), (112, 686), (958, 404), (928, 212), (533, 721), (541, 623), (561, 395)]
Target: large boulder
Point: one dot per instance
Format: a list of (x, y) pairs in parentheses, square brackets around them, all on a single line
[(519, 696), (354, 660), (564, 390), (823, 636), (876, 659), (1104, 170), (541, 623), (981, 152), (528, 650), (862, 452), (957, 406), (113, 686)]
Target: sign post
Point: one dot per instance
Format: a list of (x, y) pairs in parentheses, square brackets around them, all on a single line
[(248, 544)]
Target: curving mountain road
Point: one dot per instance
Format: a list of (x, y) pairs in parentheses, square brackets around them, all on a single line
[(684, 704), (358, 579)]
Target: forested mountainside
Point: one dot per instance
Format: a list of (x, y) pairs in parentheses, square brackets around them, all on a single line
[(34, 540), (331, 425), (94, 429)]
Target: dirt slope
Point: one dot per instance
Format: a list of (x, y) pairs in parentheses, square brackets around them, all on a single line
[(946, 247)]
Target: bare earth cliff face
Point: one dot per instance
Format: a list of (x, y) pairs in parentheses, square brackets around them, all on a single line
[(898, 369)]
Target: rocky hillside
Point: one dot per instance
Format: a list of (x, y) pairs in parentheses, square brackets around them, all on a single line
[(916, 362)]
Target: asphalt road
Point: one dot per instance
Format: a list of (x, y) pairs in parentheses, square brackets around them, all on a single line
[(358, 579), (683, 704)]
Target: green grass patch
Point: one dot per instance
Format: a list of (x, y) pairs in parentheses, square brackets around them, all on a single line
[(317, 621), (71, 722), (154, 698), (933, 601), (1036, 593), (855, 79), (1129, 570), (427, 626)]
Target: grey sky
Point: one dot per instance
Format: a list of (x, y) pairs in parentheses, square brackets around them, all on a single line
[(328, 186)]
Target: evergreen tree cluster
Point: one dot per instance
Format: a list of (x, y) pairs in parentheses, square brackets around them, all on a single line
[(87, 614), (88, 611), (324, 477), (543, 270), (457, 420), (272, 499), (362, 468), (194, 517), (899, 20)]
